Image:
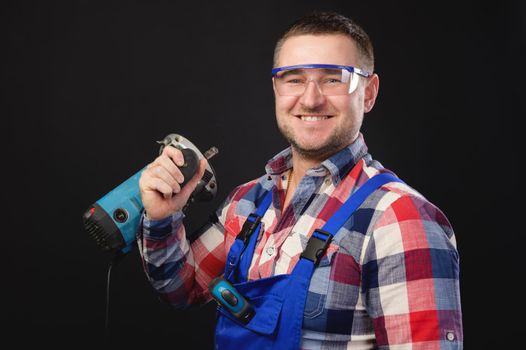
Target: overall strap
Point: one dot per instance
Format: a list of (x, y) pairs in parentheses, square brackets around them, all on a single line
[(356, 199), (321, 238), (245, 243), (244, 264), (252, 222)]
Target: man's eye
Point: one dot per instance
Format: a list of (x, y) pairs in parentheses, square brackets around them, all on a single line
[(332, 81), (294, 81)]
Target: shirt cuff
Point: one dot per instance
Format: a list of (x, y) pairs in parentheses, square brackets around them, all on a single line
[(159, 229)]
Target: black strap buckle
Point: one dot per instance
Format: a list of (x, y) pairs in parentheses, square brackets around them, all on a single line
[(248, 228), (317, 245)]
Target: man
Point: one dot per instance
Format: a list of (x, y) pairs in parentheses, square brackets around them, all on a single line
[(385, 276)]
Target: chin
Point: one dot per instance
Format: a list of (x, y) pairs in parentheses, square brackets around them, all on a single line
[(319, 151)]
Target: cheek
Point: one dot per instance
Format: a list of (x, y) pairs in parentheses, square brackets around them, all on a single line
[(284, 103), (349, 105), (342, 104)]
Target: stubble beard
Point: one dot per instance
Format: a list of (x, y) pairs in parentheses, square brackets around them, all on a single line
[(338, 140)]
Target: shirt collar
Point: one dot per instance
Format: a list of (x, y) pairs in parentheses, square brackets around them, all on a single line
[(337, 165)]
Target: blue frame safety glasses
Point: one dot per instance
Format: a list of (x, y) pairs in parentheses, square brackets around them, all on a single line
[(330, 79)]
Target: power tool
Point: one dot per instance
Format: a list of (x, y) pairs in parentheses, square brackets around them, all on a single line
[(226, 295), (113, 220)]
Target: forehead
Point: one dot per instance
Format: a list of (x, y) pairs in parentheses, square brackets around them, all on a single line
[(329, 49)]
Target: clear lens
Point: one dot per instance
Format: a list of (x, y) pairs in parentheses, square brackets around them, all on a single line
[(329, 81)]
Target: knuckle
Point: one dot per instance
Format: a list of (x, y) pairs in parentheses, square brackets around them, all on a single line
[(170, 151), (144, 179), (169, 165), (159, 171)]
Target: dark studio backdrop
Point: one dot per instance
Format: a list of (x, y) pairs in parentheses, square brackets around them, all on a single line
[(88, 87)]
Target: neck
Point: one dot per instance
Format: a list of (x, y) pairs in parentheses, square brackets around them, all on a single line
[(300, 165)]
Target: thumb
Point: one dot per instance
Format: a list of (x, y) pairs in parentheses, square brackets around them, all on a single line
[(187, 190)]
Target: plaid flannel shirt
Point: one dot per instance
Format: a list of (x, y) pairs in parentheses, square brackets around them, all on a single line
[(389, 279)]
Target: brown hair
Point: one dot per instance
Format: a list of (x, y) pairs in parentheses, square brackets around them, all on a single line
[(330, 23)]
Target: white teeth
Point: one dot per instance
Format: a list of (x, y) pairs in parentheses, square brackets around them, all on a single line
[(313, 118)]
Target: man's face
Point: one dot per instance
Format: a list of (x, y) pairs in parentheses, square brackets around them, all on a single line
[(315, 125)]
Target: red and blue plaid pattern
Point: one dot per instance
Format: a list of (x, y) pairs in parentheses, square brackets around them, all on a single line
[(388, 280)]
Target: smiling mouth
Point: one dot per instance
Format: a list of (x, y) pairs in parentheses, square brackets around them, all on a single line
[(313, 118)]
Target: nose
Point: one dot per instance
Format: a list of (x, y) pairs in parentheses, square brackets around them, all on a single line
[(312, 96)]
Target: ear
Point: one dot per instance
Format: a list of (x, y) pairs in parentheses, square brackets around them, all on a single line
[(371, 91)]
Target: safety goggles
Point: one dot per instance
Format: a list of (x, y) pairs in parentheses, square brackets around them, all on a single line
[(330, 79)]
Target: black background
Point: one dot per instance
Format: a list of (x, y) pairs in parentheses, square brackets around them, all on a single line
[(88, 87)]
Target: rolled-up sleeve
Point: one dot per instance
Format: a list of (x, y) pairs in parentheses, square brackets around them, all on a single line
[(179, 271)]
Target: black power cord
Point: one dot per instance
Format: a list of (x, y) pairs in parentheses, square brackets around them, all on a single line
[(117, 258)]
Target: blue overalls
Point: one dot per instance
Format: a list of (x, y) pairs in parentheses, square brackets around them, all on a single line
[(279, 301)]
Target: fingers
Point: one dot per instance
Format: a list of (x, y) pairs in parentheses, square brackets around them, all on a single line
[(164, 168), (156, 179), (170, 178), (174, 154), (172, 170), (163, 175), (162, 178), (162, 187), (203, 163)]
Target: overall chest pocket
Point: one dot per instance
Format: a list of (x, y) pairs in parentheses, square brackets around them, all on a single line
[(331, 305), (261, 331), (319, 284), (268, 310)]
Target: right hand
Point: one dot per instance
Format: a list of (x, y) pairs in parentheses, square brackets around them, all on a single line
[(159, 185)]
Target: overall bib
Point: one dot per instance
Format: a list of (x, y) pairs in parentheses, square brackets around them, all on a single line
[(279, 301)]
